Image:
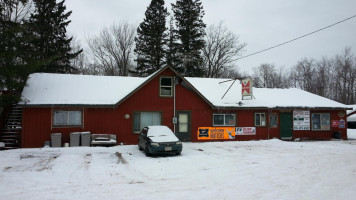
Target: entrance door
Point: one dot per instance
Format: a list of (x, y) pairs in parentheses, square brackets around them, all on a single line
[(286, 126), (184, 125)]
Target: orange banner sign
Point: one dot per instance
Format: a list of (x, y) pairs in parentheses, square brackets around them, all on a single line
[(216, 133)]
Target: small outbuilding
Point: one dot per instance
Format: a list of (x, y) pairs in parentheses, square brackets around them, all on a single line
[(196, 109)]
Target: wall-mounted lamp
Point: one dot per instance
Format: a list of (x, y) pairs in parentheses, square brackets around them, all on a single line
[(127, 116)]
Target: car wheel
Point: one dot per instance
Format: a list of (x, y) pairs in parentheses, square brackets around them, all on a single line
[(139, 147), (178, 152), (147, 151)]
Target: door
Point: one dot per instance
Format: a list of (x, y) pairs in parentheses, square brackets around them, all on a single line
[(286, 126), (183, 129)]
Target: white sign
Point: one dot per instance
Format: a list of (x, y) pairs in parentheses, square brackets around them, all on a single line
[(301, 120), (246, 87), (245, 131)]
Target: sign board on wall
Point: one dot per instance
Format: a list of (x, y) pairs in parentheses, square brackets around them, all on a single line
[(301, 120), (245, 130), (246, 87), (223, 133), (335, 123), (341, 123)]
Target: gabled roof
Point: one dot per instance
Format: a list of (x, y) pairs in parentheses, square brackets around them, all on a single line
[(45, 89)]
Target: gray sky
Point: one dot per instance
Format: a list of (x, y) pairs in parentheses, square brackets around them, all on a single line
[(260, 24)]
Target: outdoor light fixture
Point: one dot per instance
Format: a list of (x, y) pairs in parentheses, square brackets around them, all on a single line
[(127, 116)]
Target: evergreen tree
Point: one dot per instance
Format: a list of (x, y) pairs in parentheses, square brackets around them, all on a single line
[(190, 29), (51, 44), (151, 39), (172, 46), (15, 63)]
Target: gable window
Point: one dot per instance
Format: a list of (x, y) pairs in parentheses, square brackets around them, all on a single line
[(224, 119), (321, 121), (143, 119), (273, 120), (260, 119), (166, 88), (67, 118)]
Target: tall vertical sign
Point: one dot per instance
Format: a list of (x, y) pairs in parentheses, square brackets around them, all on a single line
[(246, 87)]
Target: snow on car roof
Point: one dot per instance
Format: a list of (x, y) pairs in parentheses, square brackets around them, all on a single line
[(214, 89), (161, 134)]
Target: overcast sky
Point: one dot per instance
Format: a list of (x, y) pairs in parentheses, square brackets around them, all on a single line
[(260, 24)]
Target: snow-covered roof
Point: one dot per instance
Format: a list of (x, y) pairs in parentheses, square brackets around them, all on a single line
[(67, 89), (352, 118), (214, 90)]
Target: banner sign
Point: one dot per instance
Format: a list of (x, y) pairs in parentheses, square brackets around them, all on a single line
[(223, 133), (301, 120), (245, 131), (335, 123), (246, 87)]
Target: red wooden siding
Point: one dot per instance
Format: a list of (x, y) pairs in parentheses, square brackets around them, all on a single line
[(111, 120)]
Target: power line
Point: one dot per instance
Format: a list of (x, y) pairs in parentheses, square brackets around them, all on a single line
[(296, 38)]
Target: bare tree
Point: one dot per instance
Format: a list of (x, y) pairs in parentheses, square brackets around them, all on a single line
[(112, 50), (323, 77), (344, 77), (303, 75), (16, 10), (222, 47), (266, 75)]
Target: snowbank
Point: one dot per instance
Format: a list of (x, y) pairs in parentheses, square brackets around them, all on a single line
[(269, 169)]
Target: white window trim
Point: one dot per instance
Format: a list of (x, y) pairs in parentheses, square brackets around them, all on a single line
[(320, 122), (224, 119), (67, 118), (265, 119), (164, 86), (133, 122)]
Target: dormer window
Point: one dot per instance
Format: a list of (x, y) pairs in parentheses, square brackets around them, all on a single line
[(166, 88)]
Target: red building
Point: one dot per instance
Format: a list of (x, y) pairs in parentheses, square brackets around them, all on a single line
[(58, 103)]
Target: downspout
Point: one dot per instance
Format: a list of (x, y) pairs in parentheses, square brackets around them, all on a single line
[(268, 123), (174, 104)]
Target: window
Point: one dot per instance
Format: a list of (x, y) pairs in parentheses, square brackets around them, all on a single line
[(143, 119), (166, 86), (224, 119), (260, 119), (321, 121), (67, 118), (273, 120)]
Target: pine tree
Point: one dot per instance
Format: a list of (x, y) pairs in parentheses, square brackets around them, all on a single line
[(172, 46), (190, 29), (51, 44), (151, 39), (15, 62)]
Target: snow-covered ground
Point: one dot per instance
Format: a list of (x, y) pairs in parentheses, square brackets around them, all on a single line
[(351, 133), (266, 169)]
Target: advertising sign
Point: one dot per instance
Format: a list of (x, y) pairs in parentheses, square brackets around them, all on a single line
[(216, 133), (301, 120), (246, 87), (335, 123), (342, 123), (245, 130), (223, 133)]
